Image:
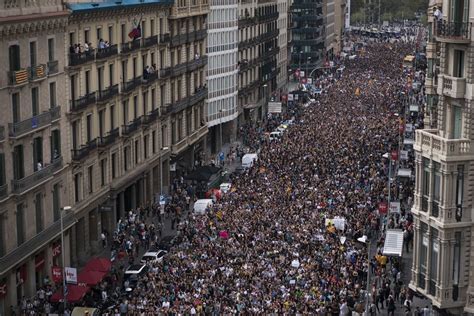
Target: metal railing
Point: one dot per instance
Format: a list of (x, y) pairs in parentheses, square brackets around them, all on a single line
[(165, 38), (128, 47), (149, 78), (77, 59), (53, 67), (106, 52), (33, 123), (453, 30), (109, 138), (182, 104), (152, 116), (165, 72), (37, 72), (149, 41), (21, 185), (17, 77), (197, 63), (131, 84), (132, 126), (106, 94), (83, 102), (3, 191), (84, 151)]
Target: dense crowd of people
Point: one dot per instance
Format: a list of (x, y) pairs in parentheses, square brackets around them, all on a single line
[(269, 246)]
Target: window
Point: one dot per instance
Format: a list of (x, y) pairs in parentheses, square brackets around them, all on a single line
[(51, 49), (145, 103), (162, 95), (2, 170), (425, 185), (111, 34), (32, 54), (456, 265), (16, 107), (126, 157), (72, 41), (38, 162), (135, 107), (153, 142), (458, 63), (100, 78), (111, 74), (55, 144), (75, 134), (56, 202), (77, 187), (164, 138), (457, 122), (423, 255), (153, 99), (123, 32), (20, 224), (86, 36), (125, 112), (114, 166), (34, 101), (145, 146), (124, 71), (2, 236), (434, 261), (173, 133), (14, 57), (137, 151), (52, 95), (134, 67), (112, 117), (18, 163), (99, 33), (459, 192), (101, 122), (90, 176), (89, 127), (436, 190), (39, 212), (87, 77), (152, 27), (103, 169)]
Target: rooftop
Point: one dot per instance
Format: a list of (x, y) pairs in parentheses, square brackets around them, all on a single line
[(113, 4)]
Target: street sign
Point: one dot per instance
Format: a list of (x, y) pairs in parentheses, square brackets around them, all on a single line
[(106, 208)]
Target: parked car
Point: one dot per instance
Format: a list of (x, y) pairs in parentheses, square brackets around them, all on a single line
[(132, 274), (152, 256)]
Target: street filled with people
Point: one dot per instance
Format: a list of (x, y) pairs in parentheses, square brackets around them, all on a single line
[(286, 238)]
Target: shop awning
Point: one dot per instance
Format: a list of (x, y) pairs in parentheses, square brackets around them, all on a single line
[(98, 264), (75, 293), (90, 277), (202, 173), (393, 245)]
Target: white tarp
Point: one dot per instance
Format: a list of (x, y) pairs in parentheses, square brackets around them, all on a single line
[(274, 107), (408, 141), (338, 222), (414, 108), (406, 173), (394, 207), (403, 154), (393, 245)]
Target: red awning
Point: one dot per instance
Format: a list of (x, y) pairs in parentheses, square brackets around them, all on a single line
[(90, 277), (75, 293), (98, 264)]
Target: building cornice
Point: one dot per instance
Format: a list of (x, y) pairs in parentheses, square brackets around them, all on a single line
[(33, 23), (119, 12)]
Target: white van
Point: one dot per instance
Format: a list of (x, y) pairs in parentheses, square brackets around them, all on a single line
[(248, 160), (275, 135), (200, 206)]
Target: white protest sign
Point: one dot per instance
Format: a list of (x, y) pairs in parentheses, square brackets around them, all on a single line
[(71, 275), (342, 239), (394, 207), (403, 154)]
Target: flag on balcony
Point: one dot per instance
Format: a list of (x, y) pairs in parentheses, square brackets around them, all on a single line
[(136, 32)]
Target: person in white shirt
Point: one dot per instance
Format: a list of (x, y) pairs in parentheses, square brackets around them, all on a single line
[(438, 14)]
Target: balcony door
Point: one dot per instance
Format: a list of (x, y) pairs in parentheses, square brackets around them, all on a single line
[(458, 63), (18, 163), (14, 56), (457, 122), (38, 162), (459, 11)]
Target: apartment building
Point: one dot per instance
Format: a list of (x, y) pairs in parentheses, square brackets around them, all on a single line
[(443, 262), (340, 11), (187, 83), (222, 49), (283, 39), (33, 155), (258, 51), (307, 34), (330, 30)]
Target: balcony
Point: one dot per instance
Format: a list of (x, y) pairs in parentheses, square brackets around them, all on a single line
[(178, 147), (130, 85), (165, 72), (152, 116), (166, 109), (186, 102), (188, 11), (34, 123), (18, 77), (197, 63), (53, 67), (37, 72), (107, 52), (309, 17), (199, 35), (10, 260), (179, 39), (443, 149), (83, 102), (131, 127), (77, 59), (247, 21), (149, 41), (38, 177), (109, 139), (2, 133), (84, 151), (452, 86), (179, 69), (453, 32), (165, 38), (129, 47), (307, 5), (3, 191), (273, 16), (107, 94), (150, 78)]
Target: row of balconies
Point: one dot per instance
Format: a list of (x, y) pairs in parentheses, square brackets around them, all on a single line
[(189, 101), (189, 10), (246, 89), (32, 74), (258, 39), (314, 4), (34, 123), (307, 17), (187, 141), (262, 58), (428, 141), (189, 37), (77, 59), (257, 19)]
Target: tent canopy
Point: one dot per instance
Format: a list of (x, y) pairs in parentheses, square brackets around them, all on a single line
[(393, 245), (75, 293), (90, 277), (203, 173), (98, 264)]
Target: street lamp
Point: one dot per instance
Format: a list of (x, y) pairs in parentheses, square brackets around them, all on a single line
[(366, 241), (161, 171), (63, 257)]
